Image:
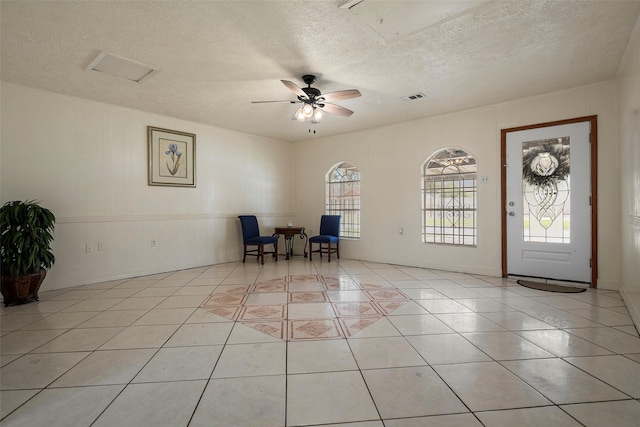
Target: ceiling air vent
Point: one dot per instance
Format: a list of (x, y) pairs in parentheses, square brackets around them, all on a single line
[(120, 67), (414, 97)]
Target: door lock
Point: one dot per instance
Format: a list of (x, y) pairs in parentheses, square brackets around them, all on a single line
[(512, 213)]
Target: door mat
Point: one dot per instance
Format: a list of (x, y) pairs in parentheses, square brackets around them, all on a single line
[(550, 287)]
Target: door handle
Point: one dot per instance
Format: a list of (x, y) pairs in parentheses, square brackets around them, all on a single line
[(512, 213)]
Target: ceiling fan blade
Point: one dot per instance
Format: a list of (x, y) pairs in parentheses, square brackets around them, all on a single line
[(336, 109), (294, 88), (340, 95), (265, 102)]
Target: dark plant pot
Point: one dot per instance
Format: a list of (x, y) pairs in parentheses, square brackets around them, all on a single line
[(21, 289)]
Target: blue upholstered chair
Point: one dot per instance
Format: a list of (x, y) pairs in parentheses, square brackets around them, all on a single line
[(251, 237), (329, 236)]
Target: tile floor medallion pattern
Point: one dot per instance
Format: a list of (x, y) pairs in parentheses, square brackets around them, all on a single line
[(363, 305), (299, 343)]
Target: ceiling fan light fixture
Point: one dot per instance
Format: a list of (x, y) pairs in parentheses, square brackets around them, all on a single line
[(318, 114), (307, 110), (300, 114)]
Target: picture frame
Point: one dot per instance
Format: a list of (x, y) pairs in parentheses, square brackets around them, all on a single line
[(171, 157)]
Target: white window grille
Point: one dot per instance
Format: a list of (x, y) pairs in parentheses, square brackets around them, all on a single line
[(449, 198), (343, 198)]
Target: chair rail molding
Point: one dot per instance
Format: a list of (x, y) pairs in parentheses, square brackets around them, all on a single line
[(162, 217)]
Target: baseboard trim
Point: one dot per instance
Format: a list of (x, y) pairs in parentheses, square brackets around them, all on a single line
[(634, 312)]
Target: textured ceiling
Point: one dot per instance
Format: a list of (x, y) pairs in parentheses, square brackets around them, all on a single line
[(215, 57)]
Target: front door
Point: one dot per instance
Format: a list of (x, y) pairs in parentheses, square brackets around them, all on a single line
[(547, 196)]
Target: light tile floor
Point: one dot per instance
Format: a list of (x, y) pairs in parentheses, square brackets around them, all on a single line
[(345, 343)]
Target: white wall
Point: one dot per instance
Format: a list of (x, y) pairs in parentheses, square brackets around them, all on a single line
[(87, 162), (629, 107), (390, 158)]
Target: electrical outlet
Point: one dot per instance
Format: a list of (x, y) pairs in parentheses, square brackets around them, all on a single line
[(485, 179), (89, 248), (101, 247), (154, 243)]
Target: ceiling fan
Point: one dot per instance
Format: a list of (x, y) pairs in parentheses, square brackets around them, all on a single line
[(314, 103)]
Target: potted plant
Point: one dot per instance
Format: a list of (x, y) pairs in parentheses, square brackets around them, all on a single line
[(25, 249)]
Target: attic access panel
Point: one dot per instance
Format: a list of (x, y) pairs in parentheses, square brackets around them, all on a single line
[(118, 66), (393, 20)]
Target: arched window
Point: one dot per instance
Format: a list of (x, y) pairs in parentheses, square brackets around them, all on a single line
[(449, 197), (343, 198)]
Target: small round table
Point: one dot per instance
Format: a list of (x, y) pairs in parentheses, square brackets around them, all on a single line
[(289, 233)]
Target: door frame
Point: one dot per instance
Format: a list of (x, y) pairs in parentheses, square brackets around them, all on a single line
[(593, 140)]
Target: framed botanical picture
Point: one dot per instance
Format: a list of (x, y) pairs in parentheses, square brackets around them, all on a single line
[(172, 157)]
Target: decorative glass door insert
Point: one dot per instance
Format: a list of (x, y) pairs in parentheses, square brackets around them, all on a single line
[(546, 187)]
